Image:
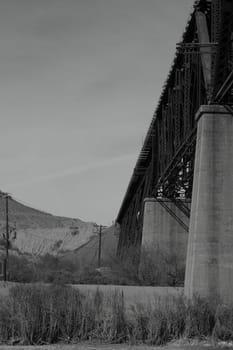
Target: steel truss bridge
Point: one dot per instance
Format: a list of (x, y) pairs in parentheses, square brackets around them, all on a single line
[(201, 74)]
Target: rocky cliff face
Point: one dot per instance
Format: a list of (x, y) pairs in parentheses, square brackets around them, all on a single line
[(38, 233)]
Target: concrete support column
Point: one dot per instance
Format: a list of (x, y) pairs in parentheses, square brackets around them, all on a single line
[(161, 231), (209, 267)]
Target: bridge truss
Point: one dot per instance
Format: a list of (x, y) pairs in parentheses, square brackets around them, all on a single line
[(201, 73)]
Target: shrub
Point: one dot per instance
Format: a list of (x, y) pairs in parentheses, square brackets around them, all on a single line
[(223, 329), (25, 273), (160, 268), (118, 324), (200, 318), (5, 320), (159, 322), (148, 266), (44, 314)]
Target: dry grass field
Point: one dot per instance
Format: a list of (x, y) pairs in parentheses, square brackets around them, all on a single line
[(51, 314)]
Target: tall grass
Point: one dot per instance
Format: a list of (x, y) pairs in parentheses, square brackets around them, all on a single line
[(173, 318), (36, 314)]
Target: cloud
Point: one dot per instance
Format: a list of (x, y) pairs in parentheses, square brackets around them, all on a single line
[(74, 170)]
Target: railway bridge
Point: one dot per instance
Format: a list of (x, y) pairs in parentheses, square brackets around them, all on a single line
[(180, 195)]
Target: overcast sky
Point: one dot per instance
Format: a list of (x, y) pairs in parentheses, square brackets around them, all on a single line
[(79, 82)]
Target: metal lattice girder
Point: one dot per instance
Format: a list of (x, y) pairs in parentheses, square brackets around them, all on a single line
[(223, 65), (200, 74)]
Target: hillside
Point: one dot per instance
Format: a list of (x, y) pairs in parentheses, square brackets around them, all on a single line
[(87, 255), (39, 233)]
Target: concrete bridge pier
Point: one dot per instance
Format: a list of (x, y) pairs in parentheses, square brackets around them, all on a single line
[(209, 266), (163, 236)]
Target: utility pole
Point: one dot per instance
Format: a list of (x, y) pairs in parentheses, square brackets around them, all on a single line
[(100, 229), (100, 243), (7, 235), (6, 239)]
